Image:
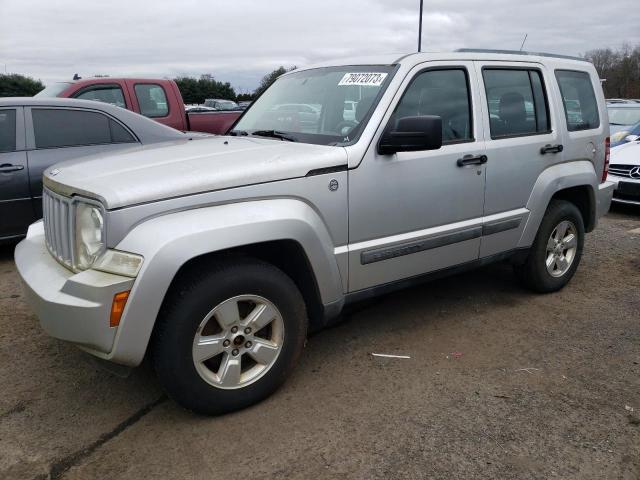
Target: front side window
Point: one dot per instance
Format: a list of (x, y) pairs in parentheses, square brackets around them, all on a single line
[(309, 106), (7, 130), (152, 100), (580, 105), (517, 102), (111, 94), (69, 128), (443, 93)]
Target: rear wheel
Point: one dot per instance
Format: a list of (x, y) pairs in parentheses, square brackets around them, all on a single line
[(229, 337), (556, 251)]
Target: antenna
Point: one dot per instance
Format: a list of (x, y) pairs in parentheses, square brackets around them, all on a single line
[(525, 39), (420, 28)]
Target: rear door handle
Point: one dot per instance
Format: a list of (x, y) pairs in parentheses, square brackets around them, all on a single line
[(551, 149), (472, 160), (7, 168)]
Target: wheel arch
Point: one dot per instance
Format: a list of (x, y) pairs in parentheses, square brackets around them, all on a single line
[(286, 232), (575, 182)]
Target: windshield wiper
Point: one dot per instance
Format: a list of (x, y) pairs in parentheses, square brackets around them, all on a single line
[(273, 134), (238, 133)]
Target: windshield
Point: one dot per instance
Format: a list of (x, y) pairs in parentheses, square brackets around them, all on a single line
[(53, 90), (323, 106), (624, 116)]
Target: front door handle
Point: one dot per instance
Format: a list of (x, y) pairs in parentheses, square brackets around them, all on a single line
[(472, 160), (551, 149), (7, 168)]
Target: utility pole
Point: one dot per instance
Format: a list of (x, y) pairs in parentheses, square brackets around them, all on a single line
[(420, 28)]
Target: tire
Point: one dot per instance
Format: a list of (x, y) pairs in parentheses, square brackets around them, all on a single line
[(534, 273), (197, 318)]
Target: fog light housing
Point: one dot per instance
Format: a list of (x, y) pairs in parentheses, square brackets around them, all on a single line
[(119, 263)]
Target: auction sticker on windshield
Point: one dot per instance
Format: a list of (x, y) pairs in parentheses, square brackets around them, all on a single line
[(370, 79)]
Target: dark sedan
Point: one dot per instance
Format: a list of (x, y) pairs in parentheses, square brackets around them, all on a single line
[(35, 133)]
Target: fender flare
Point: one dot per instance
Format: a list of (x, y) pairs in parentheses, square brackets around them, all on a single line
[(169, 241), (552, 180)]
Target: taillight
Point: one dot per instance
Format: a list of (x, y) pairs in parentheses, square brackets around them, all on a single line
[(607, 155)]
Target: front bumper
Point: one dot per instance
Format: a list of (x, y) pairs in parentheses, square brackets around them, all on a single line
[(74, 307), (621, 196)]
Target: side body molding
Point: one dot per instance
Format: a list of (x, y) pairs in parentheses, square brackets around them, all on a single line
[(553, 179), (168, 242)]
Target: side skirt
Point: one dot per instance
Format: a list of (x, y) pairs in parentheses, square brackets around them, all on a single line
[(516, 255)]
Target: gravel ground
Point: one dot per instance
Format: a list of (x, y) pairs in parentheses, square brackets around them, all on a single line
[(501, 383)]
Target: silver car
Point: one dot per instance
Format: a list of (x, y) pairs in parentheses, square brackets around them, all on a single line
[(218, 255), (35, 133)]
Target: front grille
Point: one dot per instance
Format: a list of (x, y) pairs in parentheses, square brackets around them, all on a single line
[(57, 212), (621, 170)]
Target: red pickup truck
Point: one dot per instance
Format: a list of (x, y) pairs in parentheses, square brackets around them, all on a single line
[(159, 100)]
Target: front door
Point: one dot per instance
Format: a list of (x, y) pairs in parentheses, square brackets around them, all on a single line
[(16, 211), (415, 212)]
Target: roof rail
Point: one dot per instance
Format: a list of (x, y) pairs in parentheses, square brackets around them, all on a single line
[(519, 52)]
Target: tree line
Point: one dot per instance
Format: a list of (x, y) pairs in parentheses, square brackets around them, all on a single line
[(620, 70), (193, 90)]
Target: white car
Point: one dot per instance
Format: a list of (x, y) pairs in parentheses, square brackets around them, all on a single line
[(624, 170)]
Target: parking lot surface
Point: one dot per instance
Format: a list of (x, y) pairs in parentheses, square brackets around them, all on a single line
[(500, 383)]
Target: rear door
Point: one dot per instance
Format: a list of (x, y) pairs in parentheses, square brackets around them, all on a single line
[(523, 138), (16, 211), (59, 134)]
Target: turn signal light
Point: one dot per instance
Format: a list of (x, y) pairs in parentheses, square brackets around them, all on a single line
[(117, 307)]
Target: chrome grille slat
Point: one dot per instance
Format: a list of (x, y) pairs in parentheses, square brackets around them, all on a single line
[(621, 170), (57, 214)]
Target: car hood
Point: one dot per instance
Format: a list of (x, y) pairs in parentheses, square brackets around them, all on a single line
[(160, 171), (626, 154)]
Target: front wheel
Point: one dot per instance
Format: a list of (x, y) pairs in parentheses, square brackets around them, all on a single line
[(229, 337), (556, 251)]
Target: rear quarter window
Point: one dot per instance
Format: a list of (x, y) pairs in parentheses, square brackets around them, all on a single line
[(579, 100), (152, 100)]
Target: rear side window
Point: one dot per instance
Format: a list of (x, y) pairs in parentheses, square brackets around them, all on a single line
[(579, 99), (7, 130), (68, 128), (152, 100), (444, 93), (517, 102), (111, 94)]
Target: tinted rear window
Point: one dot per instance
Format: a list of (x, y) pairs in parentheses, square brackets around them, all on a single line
[(68, 128), (579, 99), (517, 102), (7, 130), (152, 100)]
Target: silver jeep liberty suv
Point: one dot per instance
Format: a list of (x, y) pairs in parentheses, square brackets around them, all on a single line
[(345, 180)]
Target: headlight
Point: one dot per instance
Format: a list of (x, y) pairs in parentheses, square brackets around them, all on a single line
[(90, 241)]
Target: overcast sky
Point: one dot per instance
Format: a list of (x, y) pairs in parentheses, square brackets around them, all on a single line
[(240, 40)]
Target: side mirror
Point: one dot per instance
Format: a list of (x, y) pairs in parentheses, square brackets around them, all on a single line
[(632, 138), (412, 134)]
